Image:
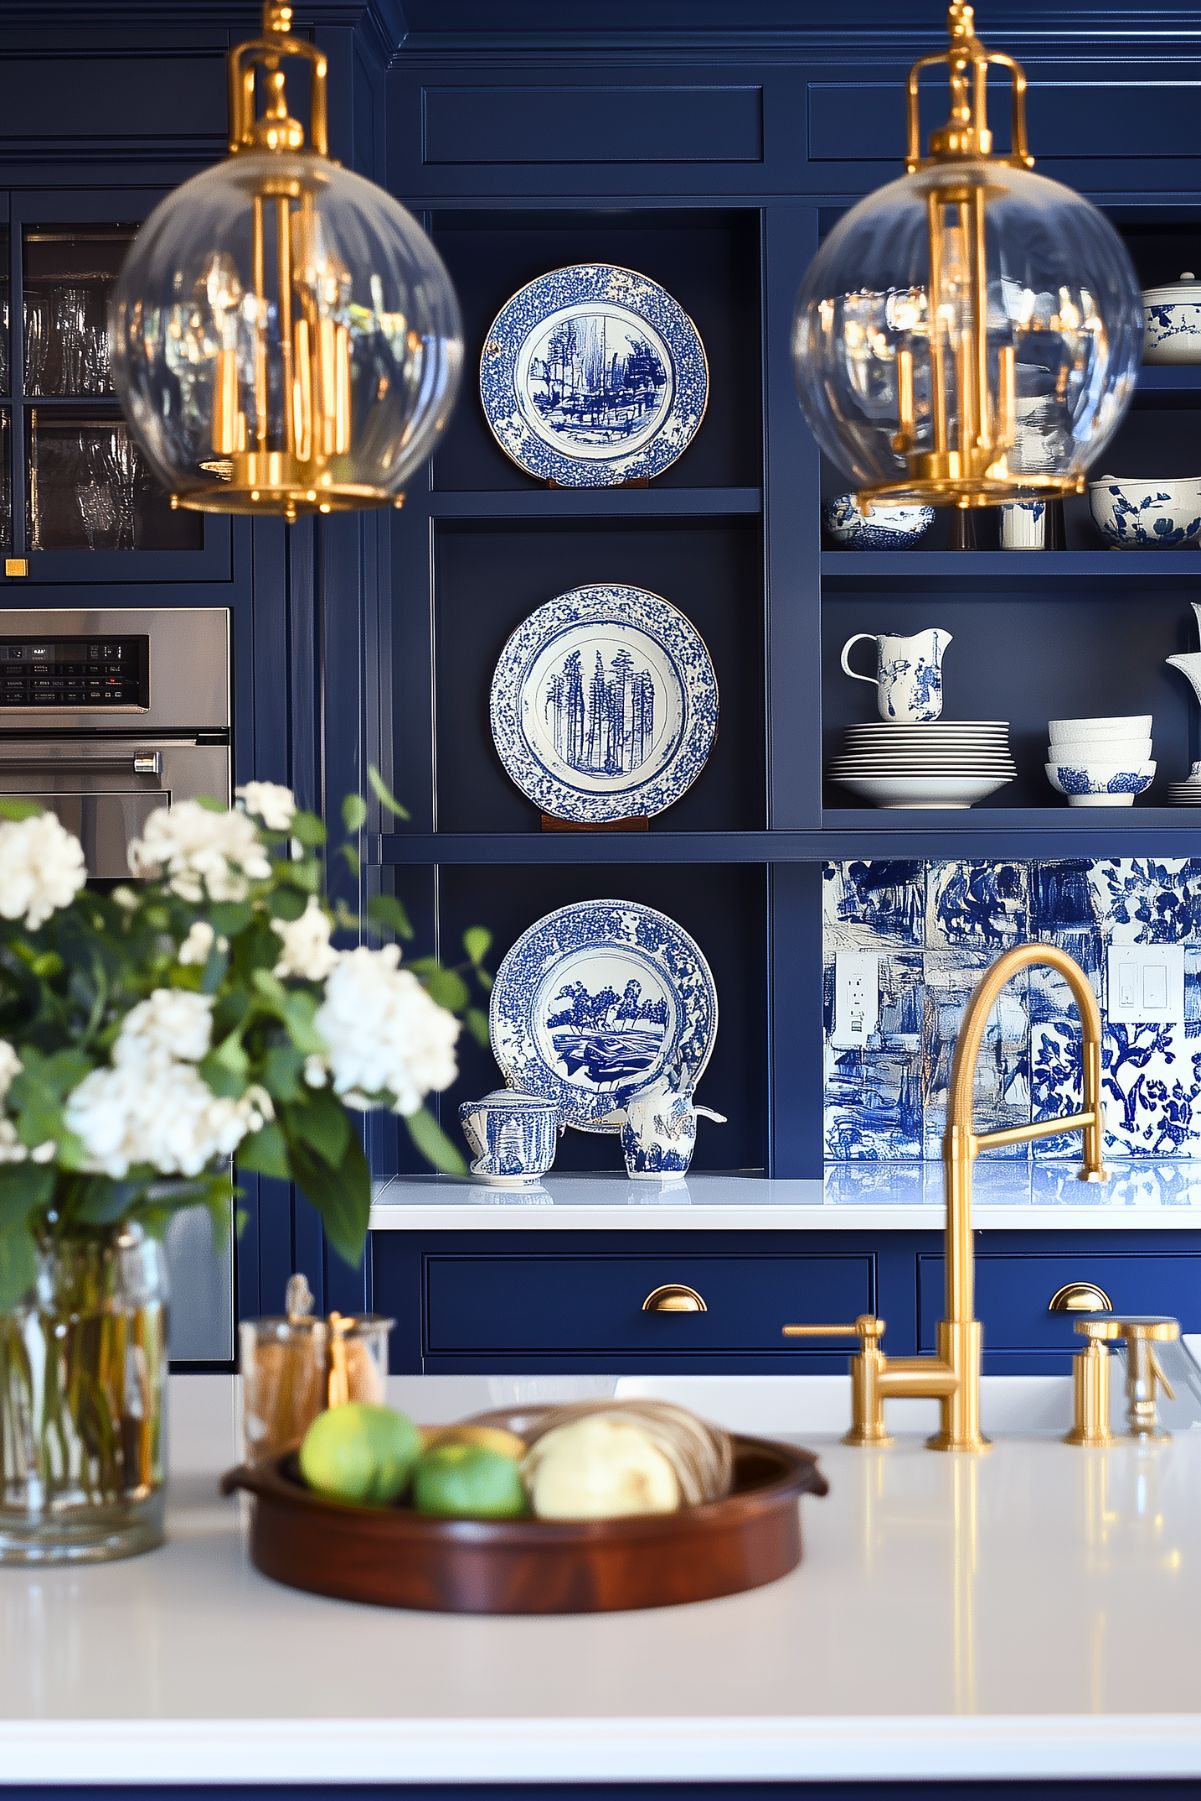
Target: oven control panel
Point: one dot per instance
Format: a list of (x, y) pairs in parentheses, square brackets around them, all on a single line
[(80, 674)]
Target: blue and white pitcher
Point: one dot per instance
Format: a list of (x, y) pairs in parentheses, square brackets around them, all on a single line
[(908, 678), (512, 1136), (658, 1130)]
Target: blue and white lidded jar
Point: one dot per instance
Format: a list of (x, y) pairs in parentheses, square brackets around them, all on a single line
[(512, 1136)]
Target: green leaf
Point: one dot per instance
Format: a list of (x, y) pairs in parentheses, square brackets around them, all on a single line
[(434, 1145), (447, 987), (477, 942), (341, 1196), (484, 980), (321, 1124), (18, 1264), (354, 812), (18, 809), (228, 918), (387, 913), (352, 859), (265, 1152), (299, 1011), (384, 794), (287, 903), (307, 829), (231, 1054), (477, 1025), (103, 1202), (211, 804), (283, 1069)]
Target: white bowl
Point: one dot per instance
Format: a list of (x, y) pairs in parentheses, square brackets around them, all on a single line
[(1172, 322), (924, 791), (1100, 750), (1100, 784), (1139, 513), (1132, 725)]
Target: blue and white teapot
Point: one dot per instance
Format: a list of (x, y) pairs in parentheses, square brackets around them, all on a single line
[(658, 1130), (512, 1136)]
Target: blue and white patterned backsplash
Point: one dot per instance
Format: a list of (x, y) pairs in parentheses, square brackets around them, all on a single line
[(936, 927)]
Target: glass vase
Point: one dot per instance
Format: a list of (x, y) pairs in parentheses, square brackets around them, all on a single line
[(83, 1364)]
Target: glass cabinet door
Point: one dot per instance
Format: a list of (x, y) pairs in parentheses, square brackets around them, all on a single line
[(77, 499)]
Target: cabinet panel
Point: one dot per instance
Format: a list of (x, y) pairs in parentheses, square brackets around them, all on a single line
[(594, 1304), (636, 124), (1012, 1292)]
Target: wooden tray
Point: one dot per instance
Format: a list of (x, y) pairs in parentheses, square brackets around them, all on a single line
[(396, 1558)]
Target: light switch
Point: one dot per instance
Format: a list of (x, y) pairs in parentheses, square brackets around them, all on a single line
[(856, 998), (1146, 983)]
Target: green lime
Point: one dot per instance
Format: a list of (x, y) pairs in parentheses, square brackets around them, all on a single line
[(468, 1482), (360, 1452)]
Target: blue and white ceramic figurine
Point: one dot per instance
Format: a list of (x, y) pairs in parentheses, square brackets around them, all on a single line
[(1138, 514), (658, 1130), (592, 376), (884, 528), (512, 1136), (1172, 321), (908, 678), (594, 1002), (604, 705)]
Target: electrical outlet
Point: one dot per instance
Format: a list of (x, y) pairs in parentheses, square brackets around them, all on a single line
[(1146, 983), (856, 998)]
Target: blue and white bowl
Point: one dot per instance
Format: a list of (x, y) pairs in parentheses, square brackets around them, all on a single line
[(884, 528), (1172, 322), (1137, 514), (1100, 784)]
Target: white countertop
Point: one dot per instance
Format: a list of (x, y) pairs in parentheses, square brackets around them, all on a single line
[(1010, 1195), (1031, 1613)]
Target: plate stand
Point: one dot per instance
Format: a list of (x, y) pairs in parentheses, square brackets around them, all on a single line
[(638, 481), (638, 824)]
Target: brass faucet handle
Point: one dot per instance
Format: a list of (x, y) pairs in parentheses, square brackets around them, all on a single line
[(1090, 1383), (867, 1329), (1102, 1328)]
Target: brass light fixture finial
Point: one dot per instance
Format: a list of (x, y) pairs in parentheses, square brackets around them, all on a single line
[(966, 132)]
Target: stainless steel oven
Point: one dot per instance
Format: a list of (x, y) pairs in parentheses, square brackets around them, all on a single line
[(105, 714)]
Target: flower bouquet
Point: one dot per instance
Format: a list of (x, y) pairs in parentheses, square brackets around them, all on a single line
[(147, 1036)]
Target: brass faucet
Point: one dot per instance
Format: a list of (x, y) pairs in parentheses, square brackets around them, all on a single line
[(952, 1375)]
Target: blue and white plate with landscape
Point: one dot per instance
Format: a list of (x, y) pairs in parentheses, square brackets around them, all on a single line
[(593, 376), (595, 1002), (604, 705)]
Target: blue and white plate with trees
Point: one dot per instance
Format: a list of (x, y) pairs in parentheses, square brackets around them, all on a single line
[(595, 1002), (592, 376), (604, 705)]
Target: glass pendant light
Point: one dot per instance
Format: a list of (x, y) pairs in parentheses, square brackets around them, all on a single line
[(970, 333), (284, 336)]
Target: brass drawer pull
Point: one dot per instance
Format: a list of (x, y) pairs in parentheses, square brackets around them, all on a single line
[(1080, 1297), (674, 1297)]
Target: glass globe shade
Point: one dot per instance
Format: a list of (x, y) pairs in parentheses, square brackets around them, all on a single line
[(885, 339), (310, 371)]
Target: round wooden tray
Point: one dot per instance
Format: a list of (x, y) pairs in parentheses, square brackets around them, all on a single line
[(397, 1558)]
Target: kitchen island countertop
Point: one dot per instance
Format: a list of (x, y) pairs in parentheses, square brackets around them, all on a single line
[(1029, 1613)]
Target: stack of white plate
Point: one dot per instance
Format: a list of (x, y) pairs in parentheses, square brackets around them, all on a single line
[(949, 763)]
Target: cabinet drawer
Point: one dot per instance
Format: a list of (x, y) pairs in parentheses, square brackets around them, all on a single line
[(594, 1304), (1012, 1293)]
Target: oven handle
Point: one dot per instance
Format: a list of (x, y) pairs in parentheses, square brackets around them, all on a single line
[(149, 763)]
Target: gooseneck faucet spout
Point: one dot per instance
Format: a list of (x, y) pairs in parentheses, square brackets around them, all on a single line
[(952, 1374)]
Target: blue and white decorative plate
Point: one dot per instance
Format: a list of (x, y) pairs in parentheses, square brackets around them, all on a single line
[(592, 376), (604, 704), (595, 1002)]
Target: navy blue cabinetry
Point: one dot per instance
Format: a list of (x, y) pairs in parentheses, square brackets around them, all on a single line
[(475, 1302)]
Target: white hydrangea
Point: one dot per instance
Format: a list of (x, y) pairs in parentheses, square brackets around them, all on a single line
[(159, 1115), (307, 951), (201, 853), (42, 869), (199, 942), (384, 1035), (171, 1023), (271, 802), (11, 1148)]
